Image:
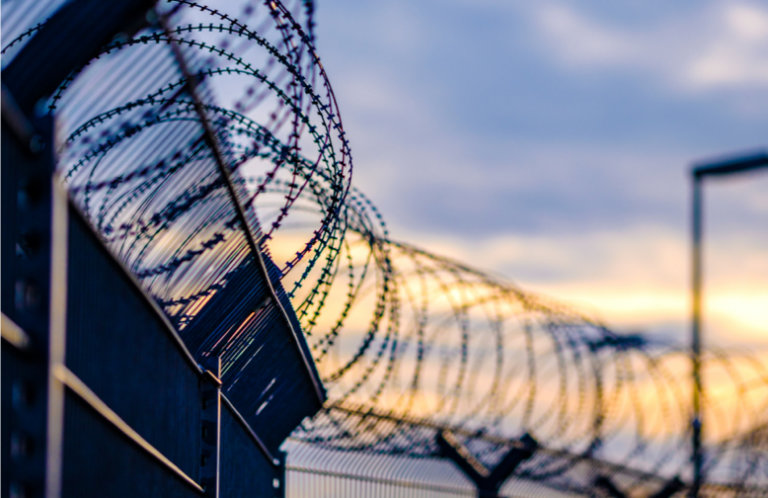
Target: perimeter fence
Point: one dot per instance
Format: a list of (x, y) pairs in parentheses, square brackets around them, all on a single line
[(178, 174)]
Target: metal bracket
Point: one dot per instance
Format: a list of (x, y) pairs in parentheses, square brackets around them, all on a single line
[(607, 487), (487, 481), (670, 488)]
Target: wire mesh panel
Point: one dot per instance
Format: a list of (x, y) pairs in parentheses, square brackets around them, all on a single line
[(99, 461), (119, 346), (246, 470), (154, 162), (313, 471)]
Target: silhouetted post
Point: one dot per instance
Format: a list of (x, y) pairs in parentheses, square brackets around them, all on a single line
[(34, 233), (696, 455), (32, 316), (699, 172), (670, 488), (210, 393), (607, 487), (488, 482)]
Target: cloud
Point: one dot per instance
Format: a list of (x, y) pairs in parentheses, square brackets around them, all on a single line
[(582, 41), (550, 141), (723, 45), (737, 54)]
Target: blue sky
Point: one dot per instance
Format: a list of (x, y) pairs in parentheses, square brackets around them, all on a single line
[(550, 141)]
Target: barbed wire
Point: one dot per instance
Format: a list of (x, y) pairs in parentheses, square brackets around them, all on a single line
[(453, 348)]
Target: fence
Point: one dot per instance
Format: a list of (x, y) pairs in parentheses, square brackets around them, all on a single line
[(101, 393), (147, 330)]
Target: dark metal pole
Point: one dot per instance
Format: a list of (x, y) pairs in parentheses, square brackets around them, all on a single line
[(696, 422), (699, 172)]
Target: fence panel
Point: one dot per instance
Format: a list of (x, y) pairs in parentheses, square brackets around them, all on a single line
[(121, 348), (245, 469), (99, 461)]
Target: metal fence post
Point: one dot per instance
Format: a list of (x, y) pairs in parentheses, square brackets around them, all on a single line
[(696, 226), (210, 397), (27, 204), (698, 174), (488, 482)]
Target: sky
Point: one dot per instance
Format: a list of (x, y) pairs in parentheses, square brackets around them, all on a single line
[(550, 142)]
